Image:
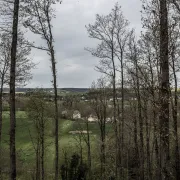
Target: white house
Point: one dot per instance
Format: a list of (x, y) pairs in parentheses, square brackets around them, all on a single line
[(76, 115), (64, 113), (92, 118)]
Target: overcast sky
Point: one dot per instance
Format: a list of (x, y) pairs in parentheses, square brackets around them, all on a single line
[(75, 66)]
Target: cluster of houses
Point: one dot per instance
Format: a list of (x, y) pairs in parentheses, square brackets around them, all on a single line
[(76, 115)]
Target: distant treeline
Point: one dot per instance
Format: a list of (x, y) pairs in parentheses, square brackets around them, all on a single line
[(78, 90)]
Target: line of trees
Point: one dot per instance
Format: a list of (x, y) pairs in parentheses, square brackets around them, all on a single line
[(140, 74), (15, 65)]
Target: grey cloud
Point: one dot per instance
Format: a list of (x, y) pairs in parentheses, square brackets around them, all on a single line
[(75, 66)]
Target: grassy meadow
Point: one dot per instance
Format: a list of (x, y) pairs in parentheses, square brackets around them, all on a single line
[(25, 141)]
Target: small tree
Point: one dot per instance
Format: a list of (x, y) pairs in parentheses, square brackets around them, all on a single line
[(99, 97), (37, 111), (76, 170)]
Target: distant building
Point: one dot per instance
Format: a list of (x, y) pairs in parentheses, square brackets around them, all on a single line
[(64, 114), (92, 118), (110, 106), (109, 120), (80, 132), (76, 115), (119, 98), (111, 99)]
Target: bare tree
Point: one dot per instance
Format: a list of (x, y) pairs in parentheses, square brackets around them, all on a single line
[(4, 65), (37, 112), (135, 72), (99, 96), (122, 34), (39, 21), (112, 32), (86, 113), (23, 66)]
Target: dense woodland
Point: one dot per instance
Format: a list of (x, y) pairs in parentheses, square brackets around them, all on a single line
[(126, 126)]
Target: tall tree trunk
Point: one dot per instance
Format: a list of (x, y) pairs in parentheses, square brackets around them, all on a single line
[(122, 112), (53, 63), (154, 121), (89, 148), (56, 120), (164, 90), (135, 171), (155, 136), (42, 149), (174, 113), (117, 147), (141, 133), (12, 92), (103, 156), (1, 111), (148, 131), (38, 159)]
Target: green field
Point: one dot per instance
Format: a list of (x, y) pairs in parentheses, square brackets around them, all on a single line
[(25, 132)]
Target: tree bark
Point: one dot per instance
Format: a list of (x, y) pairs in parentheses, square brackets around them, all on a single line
[(56, 119), (12, 92), (164, 90), (141, 133), (42, 156), (117, 155), (1, 111), (103, 155), (175, 118), (38, 159), (53, 63), (89, 147)]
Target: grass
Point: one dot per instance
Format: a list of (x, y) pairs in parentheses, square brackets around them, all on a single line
[(25, 132)]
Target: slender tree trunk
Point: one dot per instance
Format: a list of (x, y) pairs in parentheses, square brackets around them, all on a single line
[(12, 92), (42, 149), (122, 112), (1, 111), (103, 155), (136, 166), (157, 125), (164, 90), (148, 154), (141, 133), (89, 147), (136, 145), (81, 149), (1, 106), (38, 160), (56, 120), (154, 121), (53, 63), (155, 138), (174, 113), (117, 147)]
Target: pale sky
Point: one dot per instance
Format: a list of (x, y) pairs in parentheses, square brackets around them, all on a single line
[(75, 66)]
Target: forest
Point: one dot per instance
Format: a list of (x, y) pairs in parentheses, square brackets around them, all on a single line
[(126, 126)]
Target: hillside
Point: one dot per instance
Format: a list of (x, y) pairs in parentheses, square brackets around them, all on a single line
[(67, 90)]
